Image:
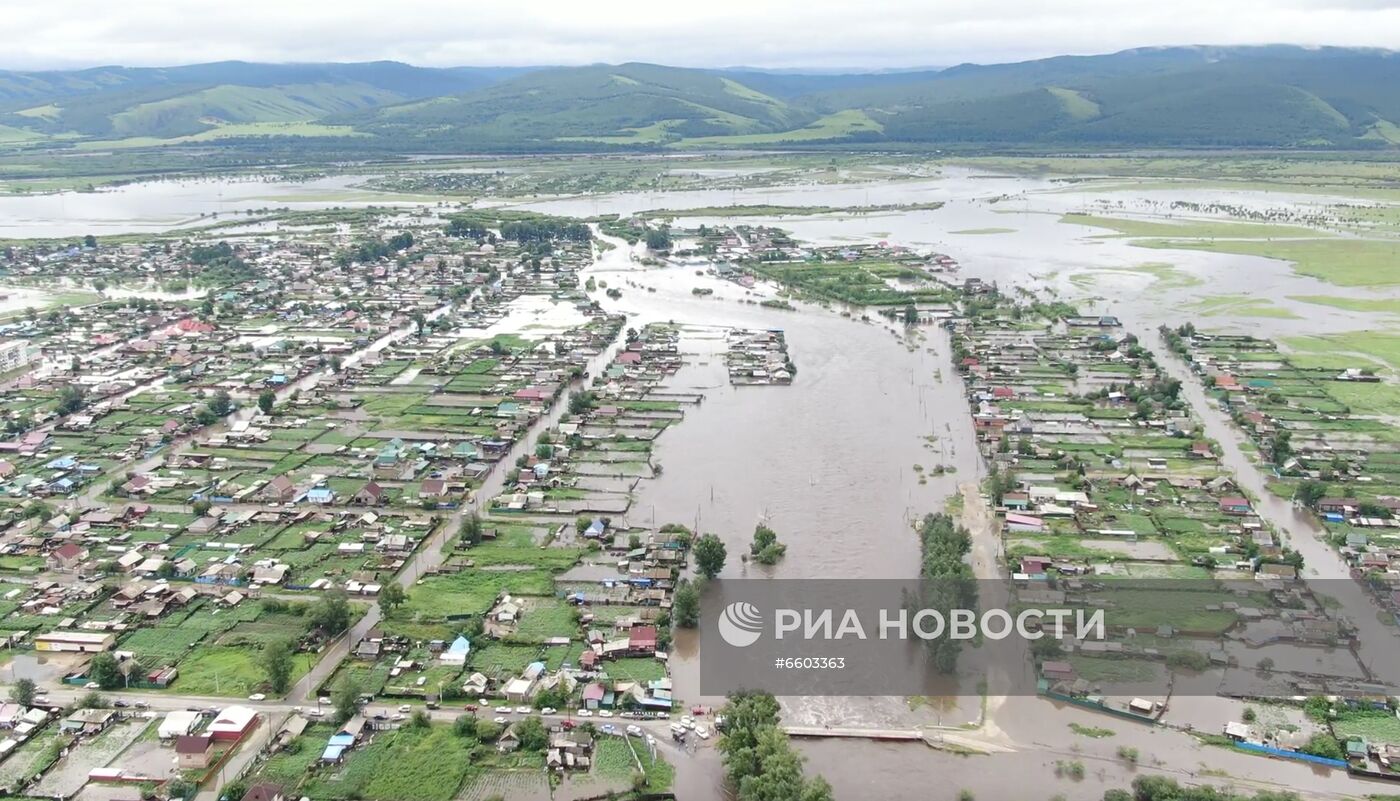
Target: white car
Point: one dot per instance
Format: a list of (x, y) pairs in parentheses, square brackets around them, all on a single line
[(405, 708), (257, 697), (501, 721), (549, 710), (325, 699), (635, 731), (523, 710), (702, 732), (585, 713), (605, 713), (687, 721), (313, 713), (92, 685)]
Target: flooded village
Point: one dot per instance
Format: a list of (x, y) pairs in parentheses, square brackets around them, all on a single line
[(310, 503)]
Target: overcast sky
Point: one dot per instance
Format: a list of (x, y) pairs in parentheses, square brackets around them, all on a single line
[(700, 33)]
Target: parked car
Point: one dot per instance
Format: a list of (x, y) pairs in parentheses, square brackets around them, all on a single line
[(549, 710), (92, 685), (702, 732), (120, 704), (501, 721), (605, 713), (634, 730), (405, 708), (608, 728), (523, 710), (585, 713), (470, 707), (257, 697)]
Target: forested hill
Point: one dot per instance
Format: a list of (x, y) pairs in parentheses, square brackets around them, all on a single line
[(1278, 96)]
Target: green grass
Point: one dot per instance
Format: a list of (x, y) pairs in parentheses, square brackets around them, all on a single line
[(1375, 726), (1189, 228), (1075, 104), (229, 671), (635, 669), (406, 765), (839, 125), (1164, 275), (1374, 348), (1113, 670), (1091, 731), (1344, 262), (470, 592), (1240, 306), (1372, 305)]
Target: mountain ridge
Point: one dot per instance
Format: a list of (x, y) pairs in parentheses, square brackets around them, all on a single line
[(1272, 96)]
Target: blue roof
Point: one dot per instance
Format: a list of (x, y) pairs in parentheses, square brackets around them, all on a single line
[(332, 753), (461, 645), (341, 740), (319, 494)]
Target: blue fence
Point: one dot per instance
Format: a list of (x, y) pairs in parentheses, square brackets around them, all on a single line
[(1298, 755)]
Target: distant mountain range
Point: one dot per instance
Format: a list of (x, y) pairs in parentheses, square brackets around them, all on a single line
[(1276, 96)]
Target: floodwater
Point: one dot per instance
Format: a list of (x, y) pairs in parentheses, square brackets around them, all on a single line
[(829, 461), (153, 206)]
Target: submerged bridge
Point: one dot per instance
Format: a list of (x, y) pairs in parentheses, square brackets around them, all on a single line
[(904, 735), (942, 739)]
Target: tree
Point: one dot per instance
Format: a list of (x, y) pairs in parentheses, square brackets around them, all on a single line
[(658, 239), (1310, 492), (23, 692), (331, 614), (346, 699), (221, 404), (179, 788), (471, 528), (532, 734), (92, 700), (709, 555), (391, 597), (685, 606), (103, 670), (1282, 448), (89, 241), (266, 399), (277, 661), (201, 507), (465, 726), (420, 720), (765, 548), (70, 399)]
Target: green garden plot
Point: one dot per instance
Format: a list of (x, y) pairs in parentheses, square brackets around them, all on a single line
[(544, 619), (635, 669), (233, 671), (408, 764), (504, 659), (471, 592), (162, 645)]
